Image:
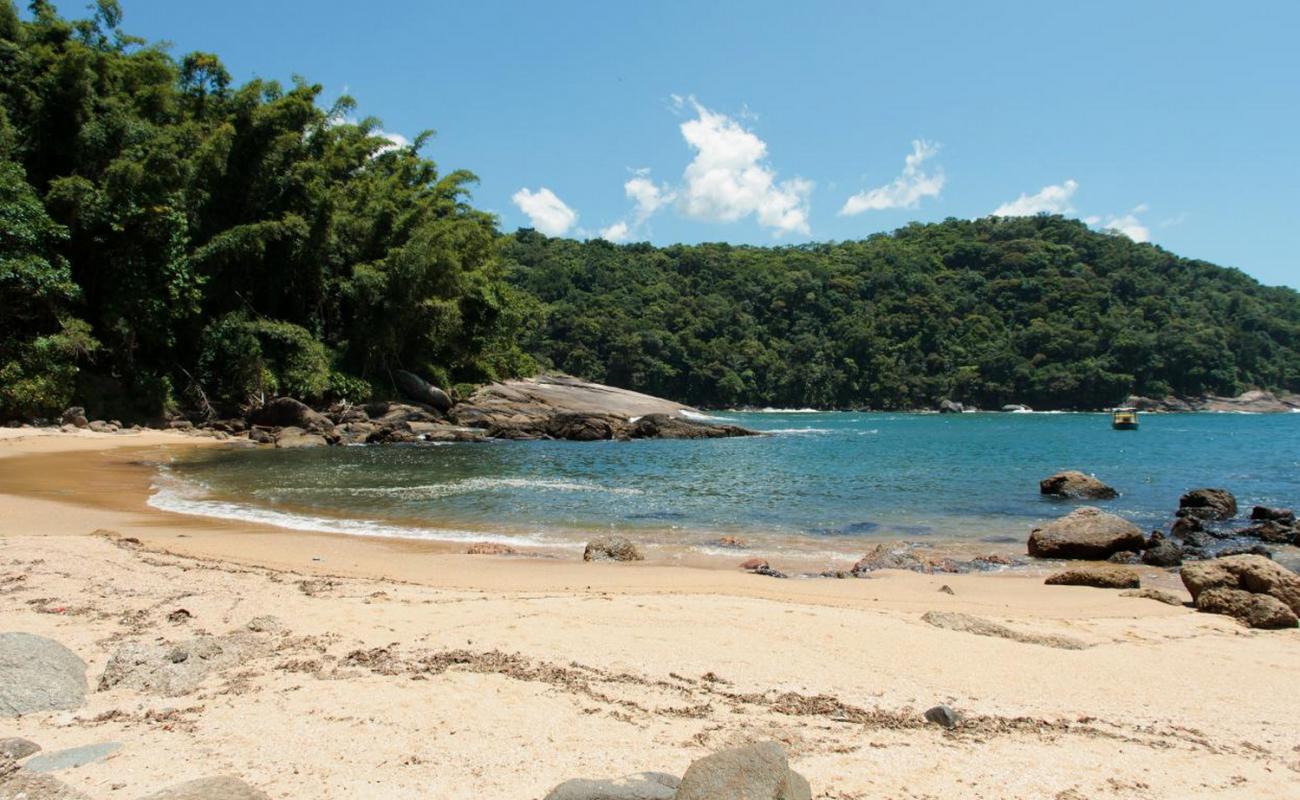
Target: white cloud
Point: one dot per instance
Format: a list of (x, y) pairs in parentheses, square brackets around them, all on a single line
[(618, 232), (648, 196), (547, 212), (1049, 200), (907, 190), (1130, 225), (396, 141), (729, 178)]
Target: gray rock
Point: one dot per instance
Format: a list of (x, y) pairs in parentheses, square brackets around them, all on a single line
[(755, 772), (1208, 504), (72, 757), (1076, 485), (1162, 552), (942, 715), (20, 784), (421, 391), (38, 674), (1086, 532), (223, 787), (641, 786), (75, 416), (612, 548), (949, 407), (177, 669), (18, 748)]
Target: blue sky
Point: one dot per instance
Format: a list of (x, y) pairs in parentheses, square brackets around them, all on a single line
[(763, 122)]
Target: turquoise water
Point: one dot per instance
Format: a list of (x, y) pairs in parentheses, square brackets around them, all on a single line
[(820, 481)]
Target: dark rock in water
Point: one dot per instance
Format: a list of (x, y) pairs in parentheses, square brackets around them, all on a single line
[(1255, 610), (1075, 484), (1159, 595), (1283, 515), (580, 427), (219, 788), (1086, 532), (421, 391), (665, 426), (641, 786), (949, 407), (1125, 557), (1162, 552), (1208, 504), (72, 757), (1250, 550), (286, 412), (755, 772), (39, 674), (18, 748), (1097, 577), (1269, 531), (1249, 573), (1186, 527), (612, 548), (942, 715)]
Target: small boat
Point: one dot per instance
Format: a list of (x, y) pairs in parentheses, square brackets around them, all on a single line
[(1124, 419)]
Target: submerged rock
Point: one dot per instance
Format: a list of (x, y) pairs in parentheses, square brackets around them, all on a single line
[(612, 548), (755, 772), (1076, 485), (1217, 504), (39, 674), (1097, 577), (1086, 532)]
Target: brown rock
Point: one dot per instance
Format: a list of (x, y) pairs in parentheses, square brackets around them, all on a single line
[(1250, 573), (1255, 610), (491, 549), (1098, 577), (1159, 595), (612, 548), (1075, 484), (1208, 504), (1086, 532), (752, 564)]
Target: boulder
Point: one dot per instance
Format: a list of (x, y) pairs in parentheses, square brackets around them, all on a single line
[(942, 715), (584, 427), (1185, 527), (1086, 532), (222, 787), (21, 784), (491, 549), (286, 412), (1283, 515), (949, 407), (177, 669), (39, 674), (293, 438), (18, 748), (754, 564), (261, 436), (1098, 577), (74, 416), (755, 772), (641, 786), (1269, 531), (1208, 504), (1255, 610), (1162, 552), (1075, 485), (666, 426), (1250, 573), (612, 548), (421, 391)]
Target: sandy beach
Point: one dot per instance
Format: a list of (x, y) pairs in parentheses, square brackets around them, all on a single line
[(401, 669)]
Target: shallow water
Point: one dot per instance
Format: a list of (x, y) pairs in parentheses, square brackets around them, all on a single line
[(821, 482)]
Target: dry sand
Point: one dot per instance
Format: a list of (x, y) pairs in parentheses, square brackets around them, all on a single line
[(405, 671)]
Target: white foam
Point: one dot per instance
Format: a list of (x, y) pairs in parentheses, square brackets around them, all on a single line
[(696, 415), (465, 486), (871, 432), (797, 431), (788, 411), (181, 498)]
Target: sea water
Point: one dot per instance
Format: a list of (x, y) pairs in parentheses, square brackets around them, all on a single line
[(817, 482)]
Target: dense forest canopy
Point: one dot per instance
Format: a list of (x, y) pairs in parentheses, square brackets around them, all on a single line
[(170, 240)]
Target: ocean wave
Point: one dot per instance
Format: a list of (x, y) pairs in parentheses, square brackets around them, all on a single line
[(181, 498), (464, 486), (702, 417), (786, 411), (797, 431), (872, 432)]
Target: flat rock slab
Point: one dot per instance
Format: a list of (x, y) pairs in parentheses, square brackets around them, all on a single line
[(39, 674), (641, 786), (72, 757), (22, 784), (222, 787), (966, 623), (17, 748)]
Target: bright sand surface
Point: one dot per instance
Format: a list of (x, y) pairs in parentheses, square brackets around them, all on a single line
[(499, 677)]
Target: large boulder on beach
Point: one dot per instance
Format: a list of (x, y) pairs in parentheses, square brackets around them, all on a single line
[(1250, 573), (641, 786), (1255, 610), (176, 669), (612, 548), (421, 391), (1075, 485), (1086, 532), (39, 674), (286, 412), (1208, 504), (293, 438), (754, 772), (222, 787), (17, 783)]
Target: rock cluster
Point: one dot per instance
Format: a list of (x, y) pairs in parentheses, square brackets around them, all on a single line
[(903, 557), (753, 772), (1258, 402), (1251, 588)]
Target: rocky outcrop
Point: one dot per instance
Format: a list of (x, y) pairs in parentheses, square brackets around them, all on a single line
[(286, 412), (1255, 610), (1096, 577), (1086, 532), (177, 669), (641, 786), (1283, 515), (1075, 485), (667, 426), (39, 674), (1208, 504), (1250, 574), (949, 407), (755, 772), (612, 548), (222, 787), (421, 391), (1254, 402)]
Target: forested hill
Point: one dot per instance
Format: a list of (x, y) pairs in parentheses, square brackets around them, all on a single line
[(172, 241), (1036, 310)]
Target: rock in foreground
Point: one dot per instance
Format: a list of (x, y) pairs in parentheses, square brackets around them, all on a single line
[(1096, 577), (219, 788), (1086, 532), (1075, 485), (642, 786), (176, 669), (612, 548), (1246, 574), (755, 772), (39, 674)]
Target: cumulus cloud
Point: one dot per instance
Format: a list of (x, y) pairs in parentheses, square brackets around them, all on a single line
[(618, 232), (1130, 225), (729, 178), (1049, 200), (648, 196), (907, 190), (547, 212)]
